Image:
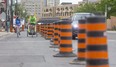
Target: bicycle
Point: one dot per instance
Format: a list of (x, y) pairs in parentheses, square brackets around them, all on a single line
[(17, 30), (31, 30)]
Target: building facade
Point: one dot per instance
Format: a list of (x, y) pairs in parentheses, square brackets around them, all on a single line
[(36, 6), (61, 11), (51, 3), (33, 6)]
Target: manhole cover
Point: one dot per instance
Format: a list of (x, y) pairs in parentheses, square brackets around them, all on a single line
[(22, 58)]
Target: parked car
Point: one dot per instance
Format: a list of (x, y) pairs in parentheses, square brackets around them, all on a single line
[(75, 18)]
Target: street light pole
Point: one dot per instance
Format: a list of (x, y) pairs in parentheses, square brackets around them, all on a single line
[(106, 11)]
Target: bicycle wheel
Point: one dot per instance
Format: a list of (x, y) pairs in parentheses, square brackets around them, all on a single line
[(27, 33), (17, 32), (36, 34), (32, 32)]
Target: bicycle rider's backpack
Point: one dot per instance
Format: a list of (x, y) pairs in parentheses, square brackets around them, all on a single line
[(17, 21)]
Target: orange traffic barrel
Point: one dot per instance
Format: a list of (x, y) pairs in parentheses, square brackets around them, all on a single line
[(97, 52), (11, 28), (45, 30), (59, 28), (49, 31), (39, 27), (42, 29), (23, 27), (47, 26), (52, 38), (55, 37), (81, 49), (65, 40)]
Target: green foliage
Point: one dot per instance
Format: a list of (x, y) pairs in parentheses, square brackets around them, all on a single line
[(19, 10), (99, 7), (87, 8)]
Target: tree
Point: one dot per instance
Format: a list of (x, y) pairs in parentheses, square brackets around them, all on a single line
[(20, 11), (99, 7), (87, 8), (105, 4)]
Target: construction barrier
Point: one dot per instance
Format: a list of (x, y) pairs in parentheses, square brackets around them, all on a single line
[(42, 29), (52, 38), (65, 40), (97, 53), (37, 27), (81, 49), (23, 27), (49, 31), (45, 30), (59, 28), (55, 37)]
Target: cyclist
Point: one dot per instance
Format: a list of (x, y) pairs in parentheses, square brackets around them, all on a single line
[(32, 21), (18, 24)]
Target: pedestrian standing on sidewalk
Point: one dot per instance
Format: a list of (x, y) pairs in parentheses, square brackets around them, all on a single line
[(7, 25)]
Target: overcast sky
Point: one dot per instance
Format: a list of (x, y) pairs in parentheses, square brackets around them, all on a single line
[(73, 1)]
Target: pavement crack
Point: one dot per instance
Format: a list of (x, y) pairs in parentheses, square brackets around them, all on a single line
[(21, 64)]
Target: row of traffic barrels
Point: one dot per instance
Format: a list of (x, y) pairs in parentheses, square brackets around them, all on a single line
[(92, 40), (45, 27)]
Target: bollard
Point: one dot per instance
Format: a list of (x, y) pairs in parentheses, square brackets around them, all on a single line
[(81, 49), (52, 38), (49, 31), (42, 28), (97, 53), (55, 41), (11, 28), (38, 28), (65, 40), (23, 27), (45, 30), (59, 28)]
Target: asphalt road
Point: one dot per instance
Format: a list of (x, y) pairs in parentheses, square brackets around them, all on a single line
[(35, 52)]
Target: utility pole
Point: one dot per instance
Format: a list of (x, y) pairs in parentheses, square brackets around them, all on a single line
[(16, 5), (6, 15), (11, 23)]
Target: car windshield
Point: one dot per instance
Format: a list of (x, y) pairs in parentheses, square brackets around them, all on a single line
[(80, 16)]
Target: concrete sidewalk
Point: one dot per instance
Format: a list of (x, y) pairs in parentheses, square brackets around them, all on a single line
[(35, 52), (5, 34)]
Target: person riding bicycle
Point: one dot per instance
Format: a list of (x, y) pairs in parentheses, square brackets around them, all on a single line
[(32, 21), (18, 24)]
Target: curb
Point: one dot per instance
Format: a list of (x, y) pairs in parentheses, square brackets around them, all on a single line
[(6, 34), (111, 31)]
